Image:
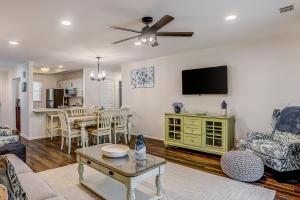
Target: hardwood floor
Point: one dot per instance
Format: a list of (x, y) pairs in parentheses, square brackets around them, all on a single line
[(44, 154)]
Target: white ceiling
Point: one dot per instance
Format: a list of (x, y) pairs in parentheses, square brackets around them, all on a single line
[(36, 25)]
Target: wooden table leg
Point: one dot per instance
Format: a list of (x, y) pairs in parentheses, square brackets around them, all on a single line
[(80, 171), (130, 194)]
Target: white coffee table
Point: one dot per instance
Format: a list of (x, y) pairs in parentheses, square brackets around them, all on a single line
[(120, 176)]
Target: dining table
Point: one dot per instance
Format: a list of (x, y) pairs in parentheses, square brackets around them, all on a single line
[(82, 121), (90, 120)]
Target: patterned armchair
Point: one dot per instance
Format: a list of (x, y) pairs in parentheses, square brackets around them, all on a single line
[(6, 137), (279, 149), (9, 144)]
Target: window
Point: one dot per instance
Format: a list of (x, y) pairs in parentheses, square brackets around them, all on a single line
[(37, 91)]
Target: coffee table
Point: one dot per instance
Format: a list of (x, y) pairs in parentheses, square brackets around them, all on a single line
[(119, 177)]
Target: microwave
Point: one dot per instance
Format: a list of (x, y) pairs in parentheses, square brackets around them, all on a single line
[(71, 92)]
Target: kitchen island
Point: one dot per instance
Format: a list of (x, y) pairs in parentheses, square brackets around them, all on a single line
[(40, 121), (47, 110)]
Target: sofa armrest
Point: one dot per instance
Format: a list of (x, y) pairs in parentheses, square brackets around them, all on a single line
[(259, 136)]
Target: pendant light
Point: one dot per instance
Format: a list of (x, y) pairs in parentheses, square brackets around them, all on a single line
[(100, 76)]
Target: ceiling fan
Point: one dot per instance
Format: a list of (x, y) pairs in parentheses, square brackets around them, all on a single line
[(148, 35)]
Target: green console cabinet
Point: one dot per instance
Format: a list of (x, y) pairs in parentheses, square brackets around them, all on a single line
[(211, 134)]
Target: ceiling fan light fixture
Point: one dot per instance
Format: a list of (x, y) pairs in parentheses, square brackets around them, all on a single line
[(137, 43), (147, 39), (148, 34)]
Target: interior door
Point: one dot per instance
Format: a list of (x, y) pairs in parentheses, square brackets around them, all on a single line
[(107, 94)]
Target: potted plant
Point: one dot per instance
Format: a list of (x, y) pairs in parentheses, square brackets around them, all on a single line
[(177, 107)]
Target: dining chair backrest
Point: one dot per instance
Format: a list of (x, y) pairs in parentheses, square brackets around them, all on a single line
[(120, 116), (93, 110), (104, 120), (64, 121), (78, 111)]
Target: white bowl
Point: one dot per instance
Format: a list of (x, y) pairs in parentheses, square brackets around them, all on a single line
[(115, 150)]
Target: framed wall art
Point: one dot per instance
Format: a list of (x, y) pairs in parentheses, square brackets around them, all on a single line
[(142, 77)]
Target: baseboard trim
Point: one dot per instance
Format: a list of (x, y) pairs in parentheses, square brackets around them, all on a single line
[(24, 136), (54, 135), (38, 137)]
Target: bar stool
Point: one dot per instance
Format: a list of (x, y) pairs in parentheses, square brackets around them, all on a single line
[(50, 124)]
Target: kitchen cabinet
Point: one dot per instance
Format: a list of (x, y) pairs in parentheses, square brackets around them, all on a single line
[(74, 83)]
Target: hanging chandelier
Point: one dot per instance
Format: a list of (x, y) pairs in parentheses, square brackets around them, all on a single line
[(100, 76)]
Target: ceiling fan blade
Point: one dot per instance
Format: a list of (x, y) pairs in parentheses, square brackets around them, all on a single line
[(126, 39), (175, 34), (123, 29), (162, 22)]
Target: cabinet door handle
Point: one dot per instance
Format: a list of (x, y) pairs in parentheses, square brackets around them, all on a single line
[(111, 173), (88, 162)]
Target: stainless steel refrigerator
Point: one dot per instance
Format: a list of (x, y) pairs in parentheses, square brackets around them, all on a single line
[(54, 98)]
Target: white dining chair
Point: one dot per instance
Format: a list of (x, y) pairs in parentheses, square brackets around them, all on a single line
[(92, 110), (66, 130), (129, 122), (78, 111), (103, 128), (120, 124)]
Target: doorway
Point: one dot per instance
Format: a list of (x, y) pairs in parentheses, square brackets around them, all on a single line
[(16, 103), (107, 94)]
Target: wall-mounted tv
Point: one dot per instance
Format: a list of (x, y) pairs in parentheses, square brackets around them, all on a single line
[(211, 80)]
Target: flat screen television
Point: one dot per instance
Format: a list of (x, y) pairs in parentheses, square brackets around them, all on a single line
[(211, 80)]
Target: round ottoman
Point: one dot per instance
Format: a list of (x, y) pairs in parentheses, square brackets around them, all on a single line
[(242, 166)]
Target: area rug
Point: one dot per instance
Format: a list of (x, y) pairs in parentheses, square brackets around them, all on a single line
[(179, 182)]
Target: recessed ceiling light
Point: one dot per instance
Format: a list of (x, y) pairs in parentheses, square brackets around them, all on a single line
[(13, 42), (45, 69), (60, 66), (66, 23), (230, 17)]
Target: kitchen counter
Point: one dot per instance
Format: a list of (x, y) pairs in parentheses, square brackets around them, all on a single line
[(45, 110)]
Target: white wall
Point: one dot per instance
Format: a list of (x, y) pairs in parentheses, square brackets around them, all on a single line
[(4, 99), (263, 75), (69, 75), (48, 81), (25, 97)]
